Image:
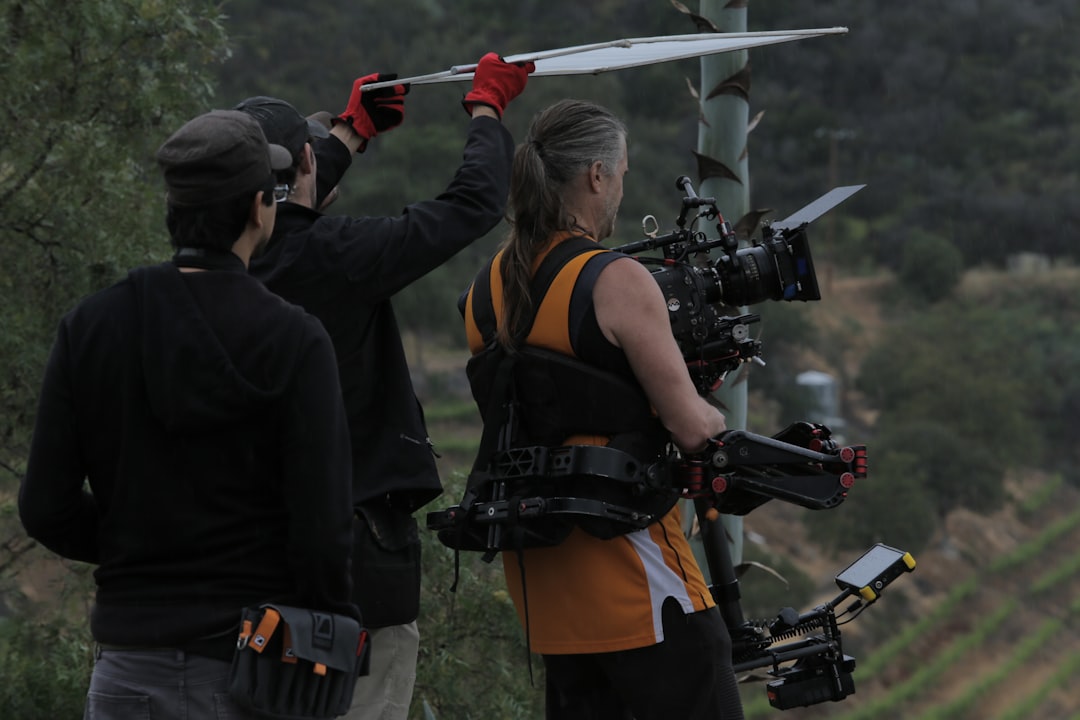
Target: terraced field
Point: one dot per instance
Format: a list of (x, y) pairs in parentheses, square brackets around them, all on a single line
[(987, 629)]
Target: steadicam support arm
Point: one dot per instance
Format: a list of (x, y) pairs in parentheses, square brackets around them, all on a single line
[(740, 472), (802, 465)]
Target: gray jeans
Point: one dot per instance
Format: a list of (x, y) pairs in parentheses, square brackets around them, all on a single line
[(159, 684)]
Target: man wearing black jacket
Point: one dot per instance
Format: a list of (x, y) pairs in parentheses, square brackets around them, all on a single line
[(345, 270), (205, 415)]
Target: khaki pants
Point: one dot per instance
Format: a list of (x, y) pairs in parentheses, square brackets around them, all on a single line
[(386, 692)]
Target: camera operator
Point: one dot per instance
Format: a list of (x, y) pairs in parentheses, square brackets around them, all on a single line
[(626, 626), (205, 415), (345, 270)]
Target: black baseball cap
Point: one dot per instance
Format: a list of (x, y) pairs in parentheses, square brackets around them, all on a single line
[(282, 123), (217, 156)]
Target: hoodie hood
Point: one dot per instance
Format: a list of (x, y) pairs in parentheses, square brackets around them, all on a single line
[(207, 365)]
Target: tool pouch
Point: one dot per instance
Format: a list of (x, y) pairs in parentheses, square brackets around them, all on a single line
[(295, 663)]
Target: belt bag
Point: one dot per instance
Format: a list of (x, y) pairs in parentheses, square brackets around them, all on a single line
[(297, 663)]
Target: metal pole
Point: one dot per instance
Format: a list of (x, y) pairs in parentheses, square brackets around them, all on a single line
[(722, 136)]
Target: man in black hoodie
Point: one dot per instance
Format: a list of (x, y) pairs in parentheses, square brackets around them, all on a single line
[(345, 270), (204, 415)]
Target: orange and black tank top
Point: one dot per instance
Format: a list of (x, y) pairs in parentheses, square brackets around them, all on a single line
[(588, 595)]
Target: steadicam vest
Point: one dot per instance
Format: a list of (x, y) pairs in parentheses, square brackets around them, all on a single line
[(534, 399)]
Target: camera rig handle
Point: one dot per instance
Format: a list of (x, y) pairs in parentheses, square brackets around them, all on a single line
[(684, 241), (801, 464)]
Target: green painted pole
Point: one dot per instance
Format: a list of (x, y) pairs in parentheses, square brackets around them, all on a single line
[(724, 174)]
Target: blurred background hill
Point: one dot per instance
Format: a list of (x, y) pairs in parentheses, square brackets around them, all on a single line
[(949, 320)]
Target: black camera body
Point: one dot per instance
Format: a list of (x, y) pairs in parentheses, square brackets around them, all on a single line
[(700, 289)]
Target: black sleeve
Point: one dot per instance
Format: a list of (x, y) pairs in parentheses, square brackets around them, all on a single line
[(382, 255), (317, 479), (54, 507), (332, 160)]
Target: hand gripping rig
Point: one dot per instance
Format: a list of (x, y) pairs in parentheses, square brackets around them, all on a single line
[(802, 465)]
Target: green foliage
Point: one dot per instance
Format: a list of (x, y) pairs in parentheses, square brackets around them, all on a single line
[(893, 505), (949, 138), (473, 660), (763, 594), (953, 431), (90, 90), (973, 387), (44, 669), (931, 266)]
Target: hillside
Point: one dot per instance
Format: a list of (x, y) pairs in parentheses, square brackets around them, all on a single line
[(985, 627)]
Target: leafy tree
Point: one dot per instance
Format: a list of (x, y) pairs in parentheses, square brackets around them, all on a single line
[(893, 505), (90, 90), (924, 367), (957, 472), (957, 407), (931, 266), (964, 126), (1039, 345)]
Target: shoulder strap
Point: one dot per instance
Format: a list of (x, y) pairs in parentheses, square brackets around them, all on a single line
[(483, 306)]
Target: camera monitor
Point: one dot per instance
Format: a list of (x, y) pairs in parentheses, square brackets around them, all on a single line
[(878, 567)]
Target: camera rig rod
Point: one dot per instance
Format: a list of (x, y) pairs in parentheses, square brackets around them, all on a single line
[(801, 464)]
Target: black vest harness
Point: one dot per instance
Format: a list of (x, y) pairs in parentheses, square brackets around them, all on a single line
[(528, 489)]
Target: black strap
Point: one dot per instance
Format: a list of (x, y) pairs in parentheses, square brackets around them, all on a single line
[(498, 415), (552, 264)]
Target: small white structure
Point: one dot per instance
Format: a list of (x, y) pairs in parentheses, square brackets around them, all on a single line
[(825, 391)]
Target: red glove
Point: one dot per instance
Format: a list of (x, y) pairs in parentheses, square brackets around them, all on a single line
[(496, 82), (371, 112)]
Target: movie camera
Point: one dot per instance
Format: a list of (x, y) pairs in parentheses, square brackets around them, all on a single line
[(698, 288), (741, 471)]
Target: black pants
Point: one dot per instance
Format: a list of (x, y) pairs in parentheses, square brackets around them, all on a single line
[(686, 677)]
